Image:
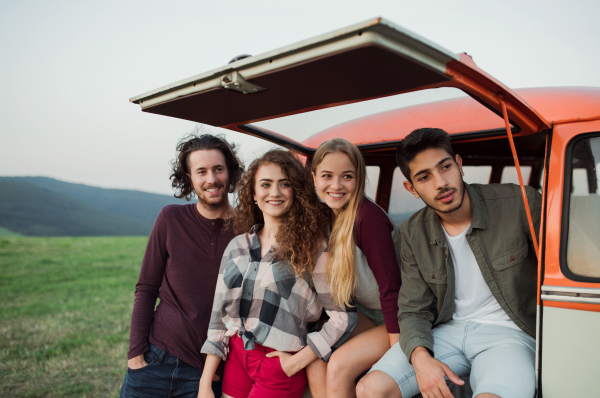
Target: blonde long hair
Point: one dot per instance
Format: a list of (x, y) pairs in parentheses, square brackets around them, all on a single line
[(341, 247)]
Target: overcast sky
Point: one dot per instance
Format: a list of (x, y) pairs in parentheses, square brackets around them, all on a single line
[(68, 68)]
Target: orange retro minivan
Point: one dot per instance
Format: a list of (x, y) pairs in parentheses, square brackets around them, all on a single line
[(373, 83)]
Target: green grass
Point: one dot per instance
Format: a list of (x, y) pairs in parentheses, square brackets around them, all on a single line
[(65, 308)]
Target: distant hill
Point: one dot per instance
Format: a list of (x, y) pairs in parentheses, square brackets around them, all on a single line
[(6, 232), (41, 206), (143, 206)]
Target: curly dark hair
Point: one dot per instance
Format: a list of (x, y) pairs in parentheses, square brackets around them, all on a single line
[(302, 229), (181, 167)]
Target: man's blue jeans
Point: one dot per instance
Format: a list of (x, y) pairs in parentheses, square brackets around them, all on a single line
[(164, 376)]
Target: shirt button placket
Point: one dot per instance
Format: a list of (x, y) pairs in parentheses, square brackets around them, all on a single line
[(214, 234)]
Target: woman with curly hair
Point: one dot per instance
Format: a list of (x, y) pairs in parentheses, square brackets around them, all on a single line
[(362, 267), (271, 284)]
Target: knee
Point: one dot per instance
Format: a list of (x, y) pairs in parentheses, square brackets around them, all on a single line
[(337, 369), (377, 384), (362, 388)]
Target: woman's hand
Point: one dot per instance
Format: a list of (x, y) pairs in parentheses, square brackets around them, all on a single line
[(292, 364), (288, 364), (136, 362)]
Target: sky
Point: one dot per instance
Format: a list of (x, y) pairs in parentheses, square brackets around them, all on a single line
[(68, 68)]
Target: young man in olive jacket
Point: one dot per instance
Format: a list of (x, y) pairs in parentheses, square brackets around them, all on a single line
[(467, 304)]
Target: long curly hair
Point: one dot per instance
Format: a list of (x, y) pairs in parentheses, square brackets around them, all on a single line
[(180, 174), (302, 229)]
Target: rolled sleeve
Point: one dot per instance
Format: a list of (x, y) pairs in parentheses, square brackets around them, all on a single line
[(341, 321), (216, 348)]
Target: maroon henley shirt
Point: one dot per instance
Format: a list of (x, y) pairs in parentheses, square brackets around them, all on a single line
[(180, 267)]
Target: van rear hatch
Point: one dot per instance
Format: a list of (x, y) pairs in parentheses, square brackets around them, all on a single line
[(369, 60)]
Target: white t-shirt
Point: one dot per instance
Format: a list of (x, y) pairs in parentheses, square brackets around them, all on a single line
[(473, 300)]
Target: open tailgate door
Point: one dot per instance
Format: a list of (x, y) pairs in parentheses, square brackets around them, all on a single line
[(368, 60)]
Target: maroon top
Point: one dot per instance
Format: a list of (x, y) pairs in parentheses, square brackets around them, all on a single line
[(180, 268), (373, 235)]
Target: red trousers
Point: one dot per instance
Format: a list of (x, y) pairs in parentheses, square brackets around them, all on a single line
[(252, 374)]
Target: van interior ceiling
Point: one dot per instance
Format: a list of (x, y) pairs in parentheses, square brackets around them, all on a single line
[(493, 152)]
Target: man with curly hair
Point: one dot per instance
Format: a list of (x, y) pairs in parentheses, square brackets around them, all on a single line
[(180, 267)]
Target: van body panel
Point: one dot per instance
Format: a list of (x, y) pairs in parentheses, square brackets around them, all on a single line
[(553, 275), (570, 349), (568, 343), (461, 115), (489, 91)]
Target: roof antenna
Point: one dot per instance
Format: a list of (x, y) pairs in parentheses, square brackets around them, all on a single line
[(239, 57)]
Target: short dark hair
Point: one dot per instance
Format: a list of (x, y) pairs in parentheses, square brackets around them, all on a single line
[(192, 143), (418, 141)]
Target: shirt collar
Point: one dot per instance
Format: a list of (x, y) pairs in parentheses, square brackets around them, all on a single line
[(255, 228), (255, 245), (477, 218), (254, 242)]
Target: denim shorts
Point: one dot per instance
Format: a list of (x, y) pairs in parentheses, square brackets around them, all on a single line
[(375, 315), (499, 360), (164, 376)]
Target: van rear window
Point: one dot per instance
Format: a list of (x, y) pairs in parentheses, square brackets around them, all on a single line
[(509, 175), (583, 242), (372, 182)]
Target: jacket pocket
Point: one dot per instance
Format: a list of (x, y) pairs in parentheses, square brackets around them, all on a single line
[(511, 257), (435, 276)]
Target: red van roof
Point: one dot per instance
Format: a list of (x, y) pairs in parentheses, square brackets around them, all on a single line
[(462, 115)]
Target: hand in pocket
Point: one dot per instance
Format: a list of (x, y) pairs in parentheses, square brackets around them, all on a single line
[(286, 360), (136, 362)]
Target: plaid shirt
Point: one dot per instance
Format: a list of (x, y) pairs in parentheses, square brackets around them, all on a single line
[(263, 301)]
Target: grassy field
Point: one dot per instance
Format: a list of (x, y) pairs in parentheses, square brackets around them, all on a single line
[(65, 307)]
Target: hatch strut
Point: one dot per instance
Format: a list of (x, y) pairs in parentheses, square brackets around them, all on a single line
[(514, 152)]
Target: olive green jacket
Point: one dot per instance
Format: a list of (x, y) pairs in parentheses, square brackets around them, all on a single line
[(500, 239)]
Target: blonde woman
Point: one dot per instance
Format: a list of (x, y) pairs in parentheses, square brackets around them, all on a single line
[(362, 268)]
